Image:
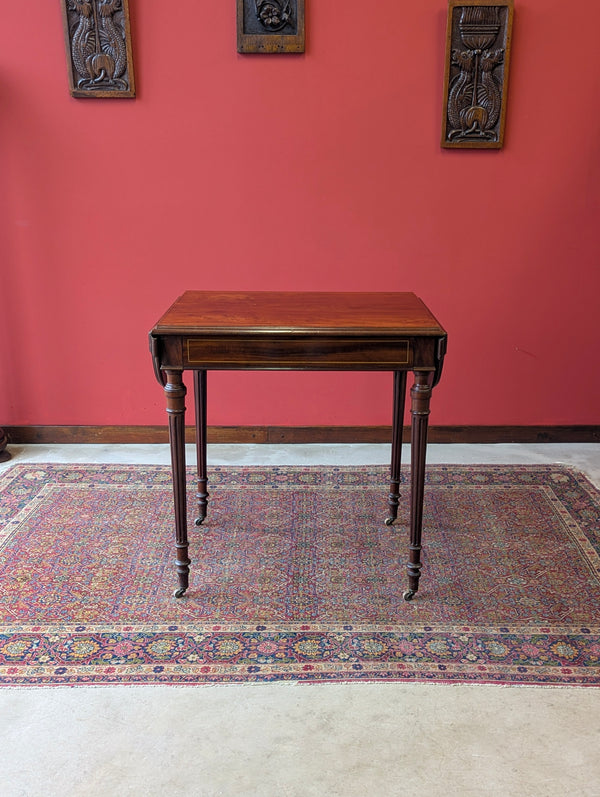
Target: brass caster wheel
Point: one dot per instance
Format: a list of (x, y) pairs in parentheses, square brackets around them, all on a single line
[(389, 521), (179, 593), (409, 595)]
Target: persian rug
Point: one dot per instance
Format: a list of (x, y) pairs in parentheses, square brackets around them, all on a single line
[(295, 576)]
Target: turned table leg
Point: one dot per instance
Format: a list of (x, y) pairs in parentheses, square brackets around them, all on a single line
[(200, 402), (420, 395), (175, 395), (397, 422)]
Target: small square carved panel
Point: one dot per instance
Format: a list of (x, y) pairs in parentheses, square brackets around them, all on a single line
[(476, 73), (270, 26), (98, 43)]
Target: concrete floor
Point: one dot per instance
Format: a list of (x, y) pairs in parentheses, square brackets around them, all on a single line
[(301, 740)]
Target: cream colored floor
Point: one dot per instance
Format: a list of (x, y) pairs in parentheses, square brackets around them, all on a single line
[(300, 740)]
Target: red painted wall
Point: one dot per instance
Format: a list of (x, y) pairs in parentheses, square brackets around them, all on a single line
[(316, 172)]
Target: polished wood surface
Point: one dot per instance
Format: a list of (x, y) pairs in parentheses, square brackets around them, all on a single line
[(277, 312), (207, 330)]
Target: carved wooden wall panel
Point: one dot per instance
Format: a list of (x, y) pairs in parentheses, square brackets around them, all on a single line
[(270, 26), (476, 73), (98, 42)]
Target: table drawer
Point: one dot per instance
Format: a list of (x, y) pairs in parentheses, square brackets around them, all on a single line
[(298, 353)]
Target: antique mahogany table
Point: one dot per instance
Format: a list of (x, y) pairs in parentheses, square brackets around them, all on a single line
[(207, 330)]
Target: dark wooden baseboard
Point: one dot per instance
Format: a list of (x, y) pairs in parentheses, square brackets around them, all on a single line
[(303, 434)]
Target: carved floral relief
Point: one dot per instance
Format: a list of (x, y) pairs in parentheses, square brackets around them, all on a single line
[(270, 26), (274, 15)]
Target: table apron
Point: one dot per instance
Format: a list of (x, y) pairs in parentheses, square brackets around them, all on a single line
[(319, 353)]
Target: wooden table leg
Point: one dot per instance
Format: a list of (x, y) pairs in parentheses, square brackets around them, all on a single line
[(200, 402), (397, 425), (420, 395), (175, 395)]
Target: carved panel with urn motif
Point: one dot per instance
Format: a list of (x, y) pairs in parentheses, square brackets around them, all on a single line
[(476, 74), (98, 43)]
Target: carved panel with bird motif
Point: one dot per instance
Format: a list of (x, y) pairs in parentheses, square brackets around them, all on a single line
[(476, 76), (98, 42)]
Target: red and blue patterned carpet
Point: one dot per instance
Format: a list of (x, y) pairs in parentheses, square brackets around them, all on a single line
[(295, 576)]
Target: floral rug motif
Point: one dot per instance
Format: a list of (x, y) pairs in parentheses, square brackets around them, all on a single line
[(295, 576)]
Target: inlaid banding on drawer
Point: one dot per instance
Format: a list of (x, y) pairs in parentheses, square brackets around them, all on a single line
[(296, 352)]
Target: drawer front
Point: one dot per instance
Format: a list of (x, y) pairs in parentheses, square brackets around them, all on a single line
[(298, 353)]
